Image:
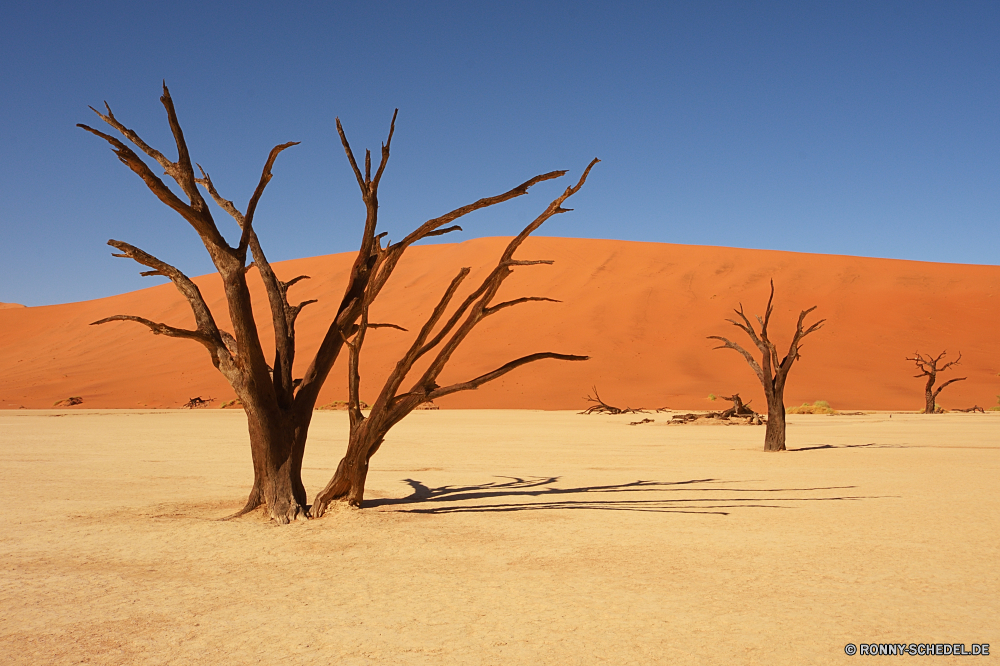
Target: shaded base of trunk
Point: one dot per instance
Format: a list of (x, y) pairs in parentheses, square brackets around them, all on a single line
[(282, 509), (345, 486)]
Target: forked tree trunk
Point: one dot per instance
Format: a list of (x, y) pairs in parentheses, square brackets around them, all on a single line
[(774, 436)]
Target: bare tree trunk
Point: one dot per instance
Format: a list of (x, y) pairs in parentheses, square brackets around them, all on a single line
[(279, 474), (774, 436), (929, 399), (348, 482)]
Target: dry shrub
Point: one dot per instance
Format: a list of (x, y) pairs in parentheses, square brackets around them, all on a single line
[(818, 407)]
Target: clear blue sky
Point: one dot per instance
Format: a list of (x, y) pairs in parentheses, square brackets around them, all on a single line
[(836, 127)]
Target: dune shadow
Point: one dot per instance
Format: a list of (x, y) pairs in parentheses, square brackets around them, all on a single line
[(708, 496)]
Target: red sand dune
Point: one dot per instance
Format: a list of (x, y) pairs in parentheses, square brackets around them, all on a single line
[(641, 311)]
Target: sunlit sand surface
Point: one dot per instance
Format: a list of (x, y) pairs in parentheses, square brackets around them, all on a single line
[(499, 537)]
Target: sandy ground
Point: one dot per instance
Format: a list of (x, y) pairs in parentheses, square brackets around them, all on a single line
[(641, 311), (500, 537)]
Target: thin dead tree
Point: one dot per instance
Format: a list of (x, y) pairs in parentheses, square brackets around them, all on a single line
[(771, 372), (279, 407), (928, 367), (391, 406)]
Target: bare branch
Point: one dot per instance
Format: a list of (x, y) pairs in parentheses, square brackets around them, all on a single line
[(158, 328), (517, 301), (442, 232), (729, 344), (203, 316), (223, 203), (385, 151), (527, 262), (134, 138), (950, 381), (500, 372), (350, 158), (183, 172), (554, 208), (398, 328), (265, 178), (128, 157), (433, 224)]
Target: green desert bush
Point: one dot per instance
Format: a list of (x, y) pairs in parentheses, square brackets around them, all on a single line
[(818, 407)]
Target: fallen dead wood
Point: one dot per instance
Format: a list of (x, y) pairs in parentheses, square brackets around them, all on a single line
[(738, 408), (198, 402), (974, 408), (604, 408), (642, 421)]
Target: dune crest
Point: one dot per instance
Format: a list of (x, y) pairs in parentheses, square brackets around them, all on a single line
[(641, 311)]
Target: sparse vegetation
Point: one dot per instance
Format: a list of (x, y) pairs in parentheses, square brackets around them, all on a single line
[(818, 407)]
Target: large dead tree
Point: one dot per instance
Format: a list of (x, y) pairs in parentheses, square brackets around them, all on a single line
[(279, 407), (771, 372), (927, 366)]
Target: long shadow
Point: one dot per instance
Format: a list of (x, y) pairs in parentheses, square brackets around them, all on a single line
[(870, 445), (450, 499)]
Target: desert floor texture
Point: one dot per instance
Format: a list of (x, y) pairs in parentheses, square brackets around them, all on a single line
[(500, 537)]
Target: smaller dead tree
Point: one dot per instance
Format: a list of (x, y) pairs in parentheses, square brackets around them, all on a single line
[(368, 432), (928, 367), (771, 372)]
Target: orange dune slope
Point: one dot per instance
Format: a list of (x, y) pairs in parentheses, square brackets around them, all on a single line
[(641, 311)]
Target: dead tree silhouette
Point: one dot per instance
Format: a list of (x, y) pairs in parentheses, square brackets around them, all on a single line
[(771, 372), (279, 407), (928, 367)]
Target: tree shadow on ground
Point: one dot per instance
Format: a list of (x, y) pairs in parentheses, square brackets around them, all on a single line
[(534, 493), (870, 445)]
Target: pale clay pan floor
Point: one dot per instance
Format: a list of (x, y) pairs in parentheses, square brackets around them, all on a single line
[(500, 537)]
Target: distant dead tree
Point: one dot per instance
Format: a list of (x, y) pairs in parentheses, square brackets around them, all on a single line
[(601, 407), (928, 367), (279, 407), (771, 372)]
